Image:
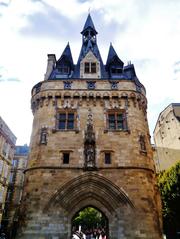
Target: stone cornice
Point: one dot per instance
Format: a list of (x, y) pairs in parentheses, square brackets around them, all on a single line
[(99, 168)]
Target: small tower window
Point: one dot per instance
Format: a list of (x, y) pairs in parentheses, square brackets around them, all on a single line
[(66, 158), (107, 158), (90, 68)]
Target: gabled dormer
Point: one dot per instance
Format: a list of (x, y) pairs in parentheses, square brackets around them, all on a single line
[(90, 67), (114, 66), (63, 68), (65, 64)]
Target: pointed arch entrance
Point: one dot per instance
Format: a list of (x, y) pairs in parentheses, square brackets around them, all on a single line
[(90, 189)]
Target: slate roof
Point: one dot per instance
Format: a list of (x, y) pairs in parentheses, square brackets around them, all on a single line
[(112, 55), (65, 58), (66, 55), (89, 24), (128, 72)]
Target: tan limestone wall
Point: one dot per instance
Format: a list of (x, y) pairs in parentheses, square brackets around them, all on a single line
[(124, 190)]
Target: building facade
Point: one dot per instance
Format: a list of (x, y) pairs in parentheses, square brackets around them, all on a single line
[(7, 148), (14, 191), (90, 146), (167, 137)]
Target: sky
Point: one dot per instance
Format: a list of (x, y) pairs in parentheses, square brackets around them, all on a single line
[(145, 32)]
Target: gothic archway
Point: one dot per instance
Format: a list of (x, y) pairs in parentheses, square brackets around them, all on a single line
[(90, 188), (91, 185)]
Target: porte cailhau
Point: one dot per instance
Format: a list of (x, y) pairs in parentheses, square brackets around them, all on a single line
[(90, 147)]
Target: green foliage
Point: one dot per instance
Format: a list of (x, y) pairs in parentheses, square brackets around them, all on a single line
[(169, 184), (89, 217)]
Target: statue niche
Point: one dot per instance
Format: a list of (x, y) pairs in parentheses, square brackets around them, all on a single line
[(89, 145)]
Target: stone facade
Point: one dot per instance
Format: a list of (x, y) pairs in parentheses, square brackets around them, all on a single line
[(7, 148), (14, 191), (74, 129), (167, 137)]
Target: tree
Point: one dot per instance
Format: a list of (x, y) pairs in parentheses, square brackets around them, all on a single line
[(169, 184), (89, 217)]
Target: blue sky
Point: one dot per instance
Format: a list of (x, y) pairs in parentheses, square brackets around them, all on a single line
[(147, 33)]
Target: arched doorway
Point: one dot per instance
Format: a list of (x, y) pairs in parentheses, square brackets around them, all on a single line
[(91, 222), (90, 190)]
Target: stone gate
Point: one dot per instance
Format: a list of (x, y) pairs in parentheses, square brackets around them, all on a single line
[(90, 146)]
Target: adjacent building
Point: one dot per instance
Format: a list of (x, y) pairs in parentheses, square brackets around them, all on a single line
[(7, 148), (90, 146), (15, 189), (167, 137)]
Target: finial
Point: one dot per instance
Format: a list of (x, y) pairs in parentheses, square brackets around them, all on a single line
[(89, 10)]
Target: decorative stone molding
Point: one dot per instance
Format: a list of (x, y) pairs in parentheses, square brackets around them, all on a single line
[(89, 144)]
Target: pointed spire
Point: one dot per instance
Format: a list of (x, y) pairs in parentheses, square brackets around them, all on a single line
[(89, 24), (112, 55), (67, 54)]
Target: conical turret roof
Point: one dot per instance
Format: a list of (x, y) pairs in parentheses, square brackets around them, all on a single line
[(89, 24), (112, 55), (67, 55)]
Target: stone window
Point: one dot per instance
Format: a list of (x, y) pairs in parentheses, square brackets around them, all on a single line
[(5, 149), (6, 170), (107, 158), (66, 157), (116, 120), (90, 67), (66, 120)]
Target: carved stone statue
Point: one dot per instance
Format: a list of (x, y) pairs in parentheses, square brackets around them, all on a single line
[(89, 145), (90, 156), (43, 136)]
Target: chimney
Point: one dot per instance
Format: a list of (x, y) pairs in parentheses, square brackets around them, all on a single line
[(50, 65)]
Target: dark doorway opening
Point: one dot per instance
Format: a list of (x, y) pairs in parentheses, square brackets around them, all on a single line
[(90, 221)]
